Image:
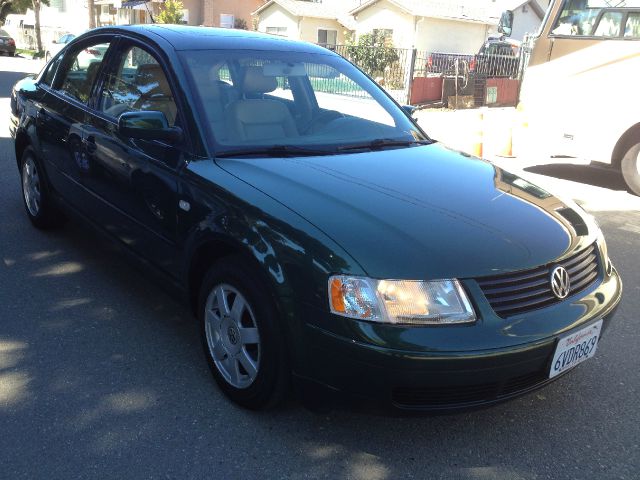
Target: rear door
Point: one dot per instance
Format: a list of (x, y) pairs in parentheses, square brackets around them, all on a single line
[(60, 119)]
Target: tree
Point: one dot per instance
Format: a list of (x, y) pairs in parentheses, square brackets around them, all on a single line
[(171, 12), (372, 53), (13, 6), (91, 6), (21, 6), (240, 24)]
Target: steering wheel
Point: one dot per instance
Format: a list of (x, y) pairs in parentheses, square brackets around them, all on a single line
[(321, 119)]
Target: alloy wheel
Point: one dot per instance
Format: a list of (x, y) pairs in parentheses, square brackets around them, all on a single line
[(31, 186), (232, 336)]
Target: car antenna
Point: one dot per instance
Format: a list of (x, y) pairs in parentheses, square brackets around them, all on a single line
[(153, 20)]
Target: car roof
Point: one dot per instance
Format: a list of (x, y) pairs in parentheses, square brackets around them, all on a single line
[(185, 37)]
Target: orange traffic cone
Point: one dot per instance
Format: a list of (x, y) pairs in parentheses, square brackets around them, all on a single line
[(476, 147)]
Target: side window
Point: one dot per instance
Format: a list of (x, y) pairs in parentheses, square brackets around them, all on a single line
[(138, 83), (80, 70), (576, 18), (49, 75), (632, 27), (610, 25)]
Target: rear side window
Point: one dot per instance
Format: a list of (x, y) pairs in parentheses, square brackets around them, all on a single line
[(632, 27), (609, 25), (80, 69)]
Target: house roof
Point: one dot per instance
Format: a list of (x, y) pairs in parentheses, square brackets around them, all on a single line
[(304, 9), (514, 5), (467, 10)]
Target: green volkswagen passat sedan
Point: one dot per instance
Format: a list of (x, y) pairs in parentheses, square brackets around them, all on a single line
[(321, 238)]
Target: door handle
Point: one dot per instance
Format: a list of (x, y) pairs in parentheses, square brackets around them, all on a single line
[(41, 116)]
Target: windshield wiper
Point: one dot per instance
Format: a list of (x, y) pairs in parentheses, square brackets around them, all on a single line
[(275, 151), (380, 143)]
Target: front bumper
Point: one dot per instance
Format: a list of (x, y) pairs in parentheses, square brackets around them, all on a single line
[(444, 380)]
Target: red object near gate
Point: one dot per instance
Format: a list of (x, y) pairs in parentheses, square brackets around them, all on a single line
[(426, 89)]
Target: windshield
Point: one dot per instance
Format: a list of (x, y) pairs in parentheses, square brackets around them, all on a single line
[(257, 100), (598, 18)]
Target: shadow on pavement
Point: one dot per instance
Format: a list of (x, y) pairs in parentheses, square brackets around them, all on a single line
[(588, 174), (8, 80)]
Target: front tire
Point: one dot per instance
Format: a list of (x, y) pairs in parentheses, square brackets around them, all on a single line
[(38, 203), (241, 335), (630, 167)]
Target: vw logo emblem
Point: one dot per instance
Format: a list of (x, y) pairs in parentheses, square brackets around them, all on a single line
[(233, 335), (560, 283)]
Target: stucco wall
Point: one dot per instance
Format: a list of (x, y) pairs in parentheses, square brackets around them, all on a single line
[(385, 15), (449, 36), (526, 21), (309, 29), (237, 8), (276, 16), (195, 11)]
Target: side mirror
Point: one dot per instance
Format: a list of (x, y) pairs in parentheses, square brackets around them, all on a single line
[(506, 23), (409, 110), (148, 125), (54, 41)]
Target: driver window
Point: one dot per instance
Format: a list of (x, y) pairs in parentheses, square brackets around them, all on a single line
[(138, 83)]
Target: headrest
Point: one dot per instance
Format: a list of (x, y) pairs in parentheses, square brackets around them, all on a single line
[(151, 73), (256, 82), (207, 82)]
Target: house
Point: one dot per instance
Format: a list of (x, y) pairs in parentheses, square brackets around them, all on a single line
[(432, 25), (230, 13), (527, 15), (457, 26), (315, 22)]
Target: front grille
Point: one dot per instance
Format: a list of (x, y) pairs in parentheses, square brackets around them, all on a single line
[(458, 396), (521, 292)]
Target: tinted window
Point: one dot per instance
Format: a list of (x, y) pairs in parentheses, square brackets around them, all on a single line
[(3, 33), (138, 83), (80, 70), (47, 79)]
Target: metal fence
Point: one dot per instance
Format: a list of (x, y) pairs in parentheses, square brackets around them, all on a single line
[(400, 70)]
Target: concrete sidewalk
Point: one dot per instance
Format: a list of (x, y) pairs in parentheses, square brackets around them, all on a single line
[(597, 188)]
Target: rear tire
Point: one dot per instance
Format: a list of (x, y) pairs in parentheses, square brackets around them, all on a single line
[(38, 203), (630, 167), (241, 335)]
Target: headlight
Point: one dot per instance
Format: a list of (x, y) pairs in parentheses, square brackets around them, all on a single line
[(411, 302)]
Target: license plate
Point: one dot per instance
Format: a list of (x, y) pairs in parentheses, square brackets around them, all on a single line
[(575, 348)]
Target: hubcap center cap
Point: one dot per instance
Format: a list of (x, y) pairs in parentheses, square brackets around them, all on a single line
[(230, 335)]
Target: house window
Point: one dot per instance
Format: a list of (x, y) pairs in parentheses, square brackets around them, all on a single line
[(227, 20), (282, 31), (383, 34), (327, 37)]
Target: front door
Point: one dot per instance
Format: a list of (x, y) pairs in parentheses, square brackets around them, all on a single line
[(137, 180)]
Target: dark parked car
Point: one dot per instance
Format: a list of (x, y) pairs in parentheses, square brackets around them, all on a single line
[(498, 57), (7, 44), (319, 239)]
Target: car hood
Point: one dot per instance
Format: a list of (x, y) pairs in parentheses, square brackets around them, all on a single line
[(423, 212)]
